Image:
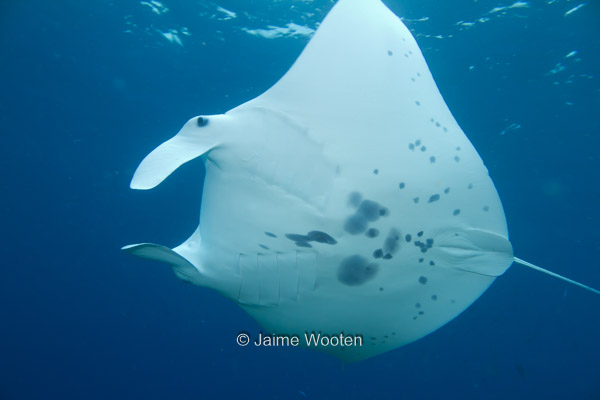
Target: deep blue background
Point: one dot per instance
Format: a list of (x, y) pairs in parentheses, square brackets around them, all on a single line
[(82, 101)]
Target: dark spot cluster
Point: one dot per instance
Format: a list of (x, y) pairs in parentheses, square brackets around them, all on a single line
[(312, 236), (417, 145), (390, 246), (432, 198), (438, 125), (424, 246), (367, 211), (356, 270)]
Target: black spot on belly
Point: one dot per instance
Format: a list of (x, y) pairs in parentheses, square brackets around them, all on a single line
[(369, 210), (422, 280), (378, 253), (355, 224), (433, 198), (355, 271), (416, 200), (392, 242), (303, 244), (269, 234), (376, 171), (456, 212), (421, 260), (432, 159), (384, 212), (424, 246), (423, 148), (418, 143), (431, 263), (390, 53), (447, 190), (408, 238), (434, 297), (419, 234), (486, 209), (418, 305), (372, 233), (388, 257), (401, 185), (354, 199), (321, 237), (411, 146), (263, 246), (297, 238)]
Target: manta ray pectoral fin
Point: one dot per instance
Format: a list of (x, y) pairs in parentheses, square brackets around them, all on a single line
[(181, 266), (535, 267), (197, 137)]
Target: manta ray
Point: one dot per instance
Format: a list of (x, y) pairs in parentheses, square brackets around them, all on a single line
[(344, 199)]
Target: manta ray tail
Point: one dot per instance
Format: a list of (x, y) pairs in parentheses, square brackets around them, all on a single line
[(184, 269), (525, 263)]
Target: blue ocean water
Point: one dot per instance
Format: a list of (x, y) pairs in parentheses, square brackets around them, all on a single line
[(89, 88)]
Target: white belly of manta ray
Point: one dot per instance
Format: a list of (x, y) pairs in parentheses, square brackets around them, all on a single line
[(345, 200)]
